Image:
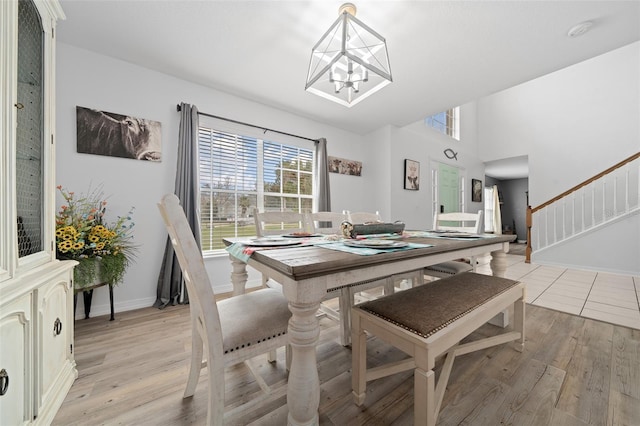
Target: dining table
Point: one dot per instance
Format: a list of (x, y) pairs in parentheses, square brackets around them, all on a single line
[(308, 268)]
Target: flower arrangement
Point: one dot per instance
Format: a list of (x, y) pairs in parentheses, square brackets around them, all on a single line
[(83, 234)]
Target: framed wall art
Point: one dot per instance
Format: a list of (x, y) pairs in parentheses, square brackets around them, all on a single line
[(118, 135), (344, 166), (476, 190), (411, 175)]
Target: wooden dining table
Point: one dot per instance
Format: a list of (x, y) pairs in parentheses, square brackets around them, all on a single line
[(307, 272)]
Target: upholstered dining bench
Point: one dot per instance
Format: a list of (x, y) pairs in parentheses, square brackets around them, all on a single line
[(428, 321)]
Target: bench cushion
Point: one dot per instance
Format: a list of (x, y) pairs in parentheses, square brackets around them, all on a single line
[(428, 308)]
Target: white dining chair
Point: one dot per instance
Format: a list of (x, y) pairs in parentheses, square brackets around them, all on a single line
[(278, 223), (319, 221), (363, 217), (360, 292), (230, 331), (458, 221), (470, 223)]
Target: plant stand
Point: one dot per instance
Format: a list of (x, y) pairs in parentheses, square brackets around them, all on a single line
[(87, 295)]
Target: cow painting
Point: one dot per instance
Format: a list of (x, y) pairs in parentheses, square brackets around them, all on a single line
[(345, 167), (116, 135)]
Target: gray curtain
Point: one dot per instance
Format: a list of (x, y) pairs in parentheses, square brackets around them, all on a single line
[(170, 285), (497, 216), (323, 192)]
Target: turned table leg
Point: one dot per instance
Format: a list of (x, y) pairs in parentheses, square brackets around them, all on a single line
[(239, 275), (499, 268), (499, 261), (303, 386)]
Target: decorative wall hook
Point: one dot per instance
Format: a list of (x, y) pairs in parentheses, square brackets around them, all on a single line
[(451, 154)]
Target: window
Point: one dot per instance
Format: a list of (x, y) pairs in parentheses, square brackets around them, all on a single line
[(240, 173), (447, 122)]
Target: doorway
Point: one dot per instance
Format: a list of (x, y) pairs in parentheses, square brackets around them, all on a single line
[(448, 188)]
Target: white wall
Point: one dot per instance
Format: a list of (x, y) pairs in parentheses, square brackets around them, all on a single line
[(378, 173), (389, 146), (425, 145), (95, 81), (572, 124), (614, 248)]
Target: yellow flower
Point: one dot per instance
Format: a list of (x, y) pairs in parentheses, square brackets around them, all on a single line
[(81, 231), (65, 246)]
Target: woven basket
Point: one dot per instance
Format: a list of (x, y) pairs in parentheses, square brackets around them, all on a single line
[(378, 228)]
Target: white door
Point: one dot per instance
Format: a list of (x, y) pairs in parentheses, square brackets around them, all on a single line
[(448, 189)]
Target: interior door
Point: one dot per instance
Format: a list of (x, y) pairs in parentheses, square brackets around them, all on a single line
[(448, 189)]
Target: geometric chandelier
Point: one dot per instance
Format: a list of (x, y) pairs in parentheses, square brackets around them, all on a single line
[(350, 62)]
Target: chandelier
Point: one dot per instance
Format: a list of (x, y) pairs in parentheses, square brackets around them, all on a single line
[(350, 62)]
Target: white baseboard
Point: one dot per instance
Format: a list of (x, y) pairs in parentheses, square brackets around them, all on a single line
[(99, 309), (105, 308)]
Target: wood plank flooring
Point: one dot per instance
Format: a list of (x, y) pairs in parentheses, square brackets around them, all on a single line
[(574, 371)]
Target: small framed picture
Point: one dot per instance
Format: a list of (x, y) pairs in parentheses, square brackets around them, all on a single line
[(411, 175), (476, 190)]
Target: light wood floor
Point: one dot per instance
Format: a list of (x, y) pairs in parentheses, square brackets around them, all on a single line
[(574, 371)]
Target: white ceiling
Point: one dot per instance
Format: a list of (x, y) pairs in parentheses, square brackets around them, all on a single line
[(508, 168), (442, 53)]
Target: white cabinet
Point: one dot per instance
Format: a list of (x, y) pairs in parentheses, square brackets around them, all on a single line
[(15, 361), (56, 365), (37, 367)]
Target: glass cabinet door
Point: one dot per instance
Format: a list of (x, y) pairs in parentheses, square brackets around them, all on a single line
[(30, 130)]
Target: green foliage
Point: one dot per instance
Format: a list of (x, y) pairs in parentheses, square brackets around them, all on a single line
[(83, 234), (94, 270)]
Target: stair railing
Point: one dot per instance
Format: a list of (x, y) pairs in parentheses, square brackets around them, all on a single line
[(597, 200)]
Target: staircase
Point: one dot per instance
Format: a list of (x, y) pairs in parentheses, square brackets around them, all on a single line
[(606, 198)]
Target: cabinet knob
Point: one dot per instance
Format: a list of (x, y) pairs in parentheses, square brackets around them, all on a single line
[(57, 327), (19, 105), (4, 381)]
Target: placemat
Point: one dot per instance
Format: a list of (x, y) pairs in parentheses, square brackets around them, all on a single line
[(243, 251), (364, 251)]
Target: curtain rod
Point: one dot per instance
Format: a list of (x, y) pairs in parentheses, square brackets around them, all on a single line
[(265, 129)]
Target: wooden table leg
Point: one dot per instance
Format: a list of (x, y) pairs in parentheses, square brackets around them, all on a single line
[(239, 275), (303, 385), (499, 268), (499, 261)]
